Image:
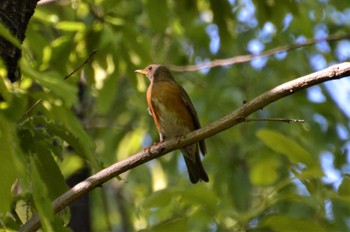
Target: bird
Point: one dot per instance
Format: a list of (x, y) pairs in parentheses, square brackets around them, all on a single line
[(174, 115)]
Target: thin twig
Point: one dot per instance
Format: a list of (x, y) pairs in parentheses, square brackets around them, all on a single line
[(87, 60), (25, 115), (246, 58), (287, 120), (332, 73), (32, 107)]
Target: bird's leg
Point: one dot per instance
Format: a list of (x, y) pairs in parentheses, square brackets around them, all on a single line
[(161, 137), (148, 149)]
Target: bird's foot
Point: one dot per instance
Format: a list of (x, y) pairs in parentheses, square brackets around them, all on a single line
[(148, 149)]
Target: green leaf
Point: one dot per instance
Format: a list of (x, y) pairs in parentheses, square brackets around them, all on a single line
[(71, 164), (311, 173), (344, 188), (79, 139), (130, 143), (49, 171), (39, 146), (51, 80), (71, 26), (4, 84), (285, 223), (275, 11), (286, 146), (14, 103), (106, 96), (221, 15), (197, 195), (158, 14), (41, 190), (309, 177), (5, 33), (173, 225), (57, 129), (264, 172), (201, 195), (158, 199), (41, 201), (65, 126), (8, 169)]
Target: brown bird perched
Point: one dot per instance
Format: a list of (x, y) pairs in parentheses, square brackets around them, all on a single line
[(174, 115)]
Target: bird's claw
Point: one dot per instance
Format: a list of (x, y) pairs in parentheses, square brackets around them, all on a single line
[(148, 149)]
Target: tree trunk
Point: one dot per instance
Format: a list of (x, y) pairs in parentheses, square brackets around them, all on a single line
[(15, 15)]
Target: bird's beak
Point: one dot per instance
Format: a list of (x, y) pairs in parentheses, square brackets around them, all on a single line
[(141, 71)]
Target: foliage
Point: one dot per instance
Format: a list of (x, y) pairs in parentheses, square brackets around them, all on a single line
[(263, 176)]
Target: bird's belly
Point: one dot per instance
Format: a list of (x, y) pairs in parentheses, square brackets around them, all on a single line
[(171, 122)]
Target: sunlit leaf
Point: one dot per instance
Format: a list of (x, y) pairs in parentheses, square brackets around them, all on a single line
[(173, 225), (264, 172), (5, 33), (159, 198), (70, 165), (130, 144), (71, 26), (8, 169), (55, 83), (311, 173), (285, 223), (286, 146)]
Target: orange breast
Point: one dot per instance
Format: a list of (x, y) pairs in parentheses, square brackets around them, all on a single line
[(170, 113)]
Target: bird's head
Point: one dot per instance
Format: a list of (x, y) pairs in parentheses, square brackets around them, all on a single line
[(156, 72)]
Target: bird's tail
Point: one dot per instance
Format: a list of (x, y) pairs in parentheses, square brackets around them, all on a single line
[(195, 167)]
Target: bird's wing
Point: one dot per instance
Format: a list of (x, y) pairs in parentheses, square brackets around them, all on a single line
[(186, 99)]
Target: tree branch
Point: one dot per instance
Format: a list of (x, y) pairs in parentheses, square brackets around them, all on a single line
[(87, 60), (287, 120), (332, 73), (246, 58)]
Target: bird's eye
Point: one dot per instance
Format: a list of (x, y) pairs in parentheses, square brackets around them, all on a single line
[(150, 68)]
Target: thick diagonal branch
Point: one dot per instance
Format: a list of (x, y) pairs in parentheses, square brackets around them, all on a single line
[(234, 118)]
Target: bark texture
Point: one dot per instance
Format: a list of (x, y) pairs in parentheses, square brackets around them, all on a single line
[(15, 15)]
